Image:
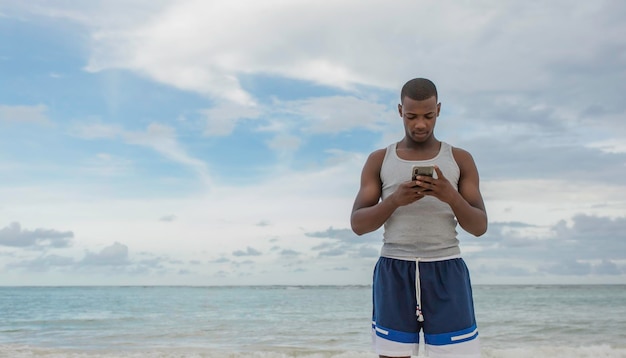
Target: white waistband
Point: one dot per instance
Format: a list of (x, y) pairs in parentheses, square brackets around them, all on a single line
[(424, 259)]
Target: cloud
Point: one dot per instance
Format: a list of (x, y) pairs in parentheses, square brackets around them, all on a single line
[(567, 267), (292, 120), (609, 145), (585, 237), (163, 140), (24, 114), (104, 164), (347, 236), (607, 267), (222, 48), (44, 263), (168, 218), (114, 255), (97, 131), (340, 242), (365, 251), (340, 234), (285, 143), (587, 245), (14, 236), (157, 137), (248, 252), (222, 119), (152, 263), (525, 157), (208, 50), (337, 114), (264, 223), (506, 270), (289, 253), (333, 252), (593, 237), (112, 259)]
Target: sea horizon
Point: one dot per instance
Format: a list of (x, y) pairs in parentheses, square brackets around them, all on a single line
[(308, 285)]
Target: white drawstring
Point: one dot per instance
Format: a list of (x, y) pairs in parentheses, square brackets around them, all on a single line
[(418, 292)]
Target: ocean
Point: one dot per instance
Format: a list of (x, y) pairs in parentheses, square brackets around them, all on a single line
[(291, 321)]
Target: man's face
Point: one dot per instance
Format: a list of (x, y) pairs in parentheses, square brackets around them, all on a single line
[(419, 117)]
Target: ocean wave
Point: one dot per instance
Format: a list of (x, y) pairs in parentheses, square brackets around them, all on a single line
[(14, 351)]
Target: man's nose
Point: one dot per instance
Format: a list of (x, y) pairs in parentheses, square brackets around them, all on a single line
[(419, 124)]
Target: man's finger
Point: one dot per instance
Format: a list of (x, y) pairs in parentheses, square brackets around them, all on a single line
[(439, 173)]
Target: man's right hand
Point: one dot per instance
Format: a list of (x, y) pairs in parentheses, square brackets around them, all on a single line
[(407, 192)]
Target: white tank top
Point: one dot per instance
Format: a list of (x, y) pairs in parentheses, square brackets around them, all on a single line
[(427, 227)]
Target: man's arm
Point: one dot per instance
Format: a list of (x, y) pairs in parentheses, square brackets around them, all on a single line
[(370, 213), (469, 207)]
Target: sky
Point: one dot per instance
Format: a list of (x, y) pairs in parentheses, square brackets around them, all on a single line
[(192, 142)]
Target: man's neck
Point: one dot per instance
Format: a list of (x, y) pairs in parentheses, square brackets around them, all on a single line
[(431, 144), (410, 150)]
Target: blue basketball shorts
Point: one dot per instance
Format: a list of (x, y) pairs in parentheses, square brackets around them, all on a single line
[(434, 297)]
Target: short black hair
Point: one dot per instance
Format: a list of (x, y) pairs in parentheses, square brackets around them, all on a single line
[(418, 89)]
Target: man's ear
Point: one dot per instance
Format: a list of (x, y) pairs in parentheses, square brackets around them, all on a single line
[(400, 109), (438, 108)]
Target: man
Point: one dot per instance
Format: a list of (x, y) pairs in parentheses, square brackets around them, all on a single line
[(420, 281)]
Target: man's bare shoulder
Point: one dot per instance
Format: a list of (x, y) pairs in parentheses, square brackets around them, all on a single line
[(374, 162), (376, 157), (465, 161), (378, 153), (461, 155)]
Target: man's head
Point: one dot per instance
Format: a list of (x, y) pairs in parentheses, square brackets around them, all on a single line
[(419, 109), (418, 89)]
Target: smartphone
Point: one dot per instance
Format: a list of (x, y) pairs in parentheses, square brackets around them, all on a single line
[(427, 171)]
